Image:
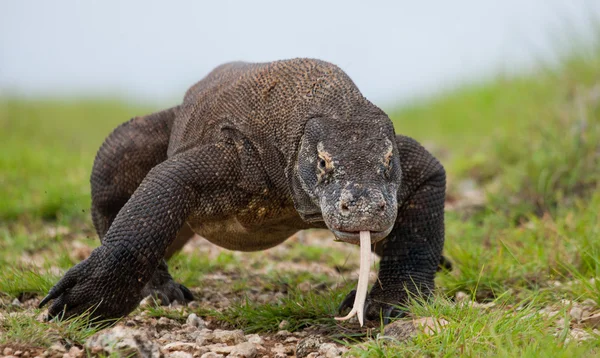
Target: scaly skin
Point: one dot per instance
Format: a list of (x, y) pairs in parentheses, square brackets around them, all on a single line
[(255, 153)]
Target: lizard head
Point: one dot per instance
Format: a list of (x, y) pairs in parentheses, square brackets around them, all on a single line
[(348, 175)]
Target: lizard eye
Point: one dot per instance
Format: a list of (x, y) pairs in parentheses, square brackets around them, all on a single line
[(322, 164)]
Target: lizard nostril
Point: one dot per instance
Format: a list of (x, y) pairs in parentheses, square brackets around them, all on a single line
[(344, 207), (382, 205)]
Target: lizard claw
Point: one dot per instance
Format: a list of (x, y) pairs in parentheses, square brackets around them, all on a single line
[(163, 287), (374, 310), (85, 287), (347, 302)]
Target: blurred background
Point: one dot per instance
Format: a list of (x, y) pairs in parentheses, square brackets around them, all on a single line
[(152, 51)]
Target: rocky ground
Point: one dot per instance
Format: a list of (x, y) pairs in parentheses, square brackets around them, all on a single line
[(179, 331)]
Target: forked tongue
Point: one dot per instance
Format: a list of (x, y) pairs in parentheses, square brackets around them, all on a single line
[(363, 279)]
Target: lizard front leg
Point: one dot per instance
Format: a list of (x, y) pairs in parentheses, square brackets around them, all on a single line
[(109, 283)]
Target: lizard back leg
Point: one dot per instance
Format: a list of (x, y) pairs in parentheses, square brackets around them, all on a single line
[(121, 164)]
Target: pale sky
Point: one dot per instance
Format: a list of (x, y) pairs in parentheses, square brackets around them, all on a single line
[(153, 51)]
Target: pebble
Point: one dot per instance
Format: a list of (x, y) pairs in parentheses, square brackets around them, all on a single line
[(280, 349), (75, 352), (57, 348), (180, 346), (167, 323), (203, 337), (576, 314), (308, 345), (195, 321), (461, 296), (255, 339), (211, 355), (122, 341), (229, 337), (331, 350), (283, 333), (220, 348), (579, 335), (148, 301), (592, 321), (402, 330), (244, 350)]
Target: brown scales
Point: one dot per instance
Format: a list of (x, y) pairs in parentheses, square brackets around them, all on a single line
[(237, 162)]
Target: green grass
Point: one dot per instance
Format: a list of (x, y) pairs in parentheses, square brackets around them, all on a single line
[(505, 331), (531, 144), (47, 153), (298, 309)]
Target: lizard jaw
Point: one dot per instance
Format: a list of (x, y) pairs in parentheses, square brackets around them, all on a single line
[(353, 237)]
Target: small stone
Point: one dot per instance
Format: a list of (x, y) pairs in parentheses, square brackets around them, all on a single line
[(130, 323), (430, 325), (193, 305), (18, 353), (484, 306), (255, 339), (122, 341), (331, 350), (290, 340), (75, 352), (7, 351), (461, 296), (180, 346), (16, 302), (304, 286), (576, 314), (220, 348), (283, 333), (308, 345), (283, 324), (592, 321), (580, 335), (280, 349), (229, 337), (57, 348), (566, 302), (195, 321), (400, 330), (166, 323), (204, 336), (244, 350), (211, 355), (147, 301), (179, 354)]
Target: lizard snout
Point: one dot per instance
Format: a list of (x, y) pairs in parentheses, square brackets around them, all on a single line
[(359, 208), (359, 201)]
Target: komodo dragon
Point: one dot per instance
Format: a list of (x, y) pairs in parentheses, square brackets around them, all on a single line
[(255, 153)]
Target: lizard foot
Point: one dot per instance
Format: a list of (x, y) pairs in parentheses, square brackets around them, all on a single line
[(374, 309), (96, 286), (163, 287)]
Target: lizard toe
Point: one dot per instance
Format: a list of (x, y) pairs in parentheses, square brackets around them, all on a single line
[(163, 287), (347, 302)]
